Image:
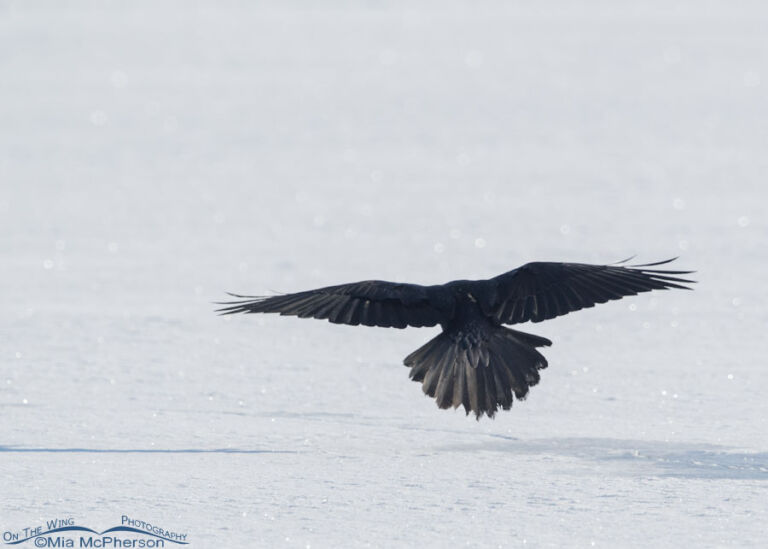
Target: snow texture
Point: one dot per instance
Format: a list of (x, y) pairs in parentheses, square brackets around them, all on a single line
[(156, 154)]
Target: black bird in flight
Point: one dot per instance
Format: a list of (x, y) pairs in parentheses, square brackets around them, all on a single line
[(475, 361)]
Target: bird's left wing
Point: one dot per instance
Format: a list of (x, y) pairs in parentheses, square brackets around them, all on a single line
[(540, 291), (370, 303)]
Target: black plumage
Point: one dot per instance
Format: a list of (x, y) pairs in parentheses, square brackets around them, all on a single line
[(474, 362)]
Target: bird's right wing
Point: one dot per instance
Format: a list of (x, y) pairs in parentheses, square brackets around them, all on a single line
[(541, 290), (370, 303)]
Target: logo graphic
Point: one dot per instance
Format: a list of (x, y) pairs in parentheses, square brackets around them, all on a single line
[(66, 533)]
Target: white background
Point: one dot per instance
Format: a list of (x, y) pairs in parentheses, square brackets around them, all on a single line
[(156, 154)]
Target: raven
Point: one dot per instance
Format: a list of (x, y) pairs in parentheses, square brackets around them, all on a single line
[(475, 361)]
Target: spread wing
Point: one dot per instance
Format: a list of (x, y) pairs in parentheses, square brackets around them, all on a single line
[(370, 303), (540, 291)]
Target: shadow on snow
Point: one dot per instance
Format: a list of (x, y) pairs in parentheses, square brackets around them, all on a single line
[(655, 458), (139, 450)]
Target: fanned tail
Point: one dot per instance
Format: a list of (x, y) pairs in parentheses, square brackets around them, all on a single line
[(480, 370)]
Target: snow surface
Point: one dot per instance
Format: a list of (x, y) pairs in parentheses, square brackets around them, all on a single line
[(156, 154)]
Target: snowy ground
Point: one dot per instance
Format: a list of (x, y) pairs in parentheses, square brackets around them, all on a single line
[(154, 155)]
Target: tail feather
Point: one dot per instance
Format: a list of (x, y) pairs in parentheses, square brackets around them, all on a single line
[(423, 357), (519, 359), (490, 387), (433, 376), (460, 395), (444, 393), (480, 372), (473, 387)]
